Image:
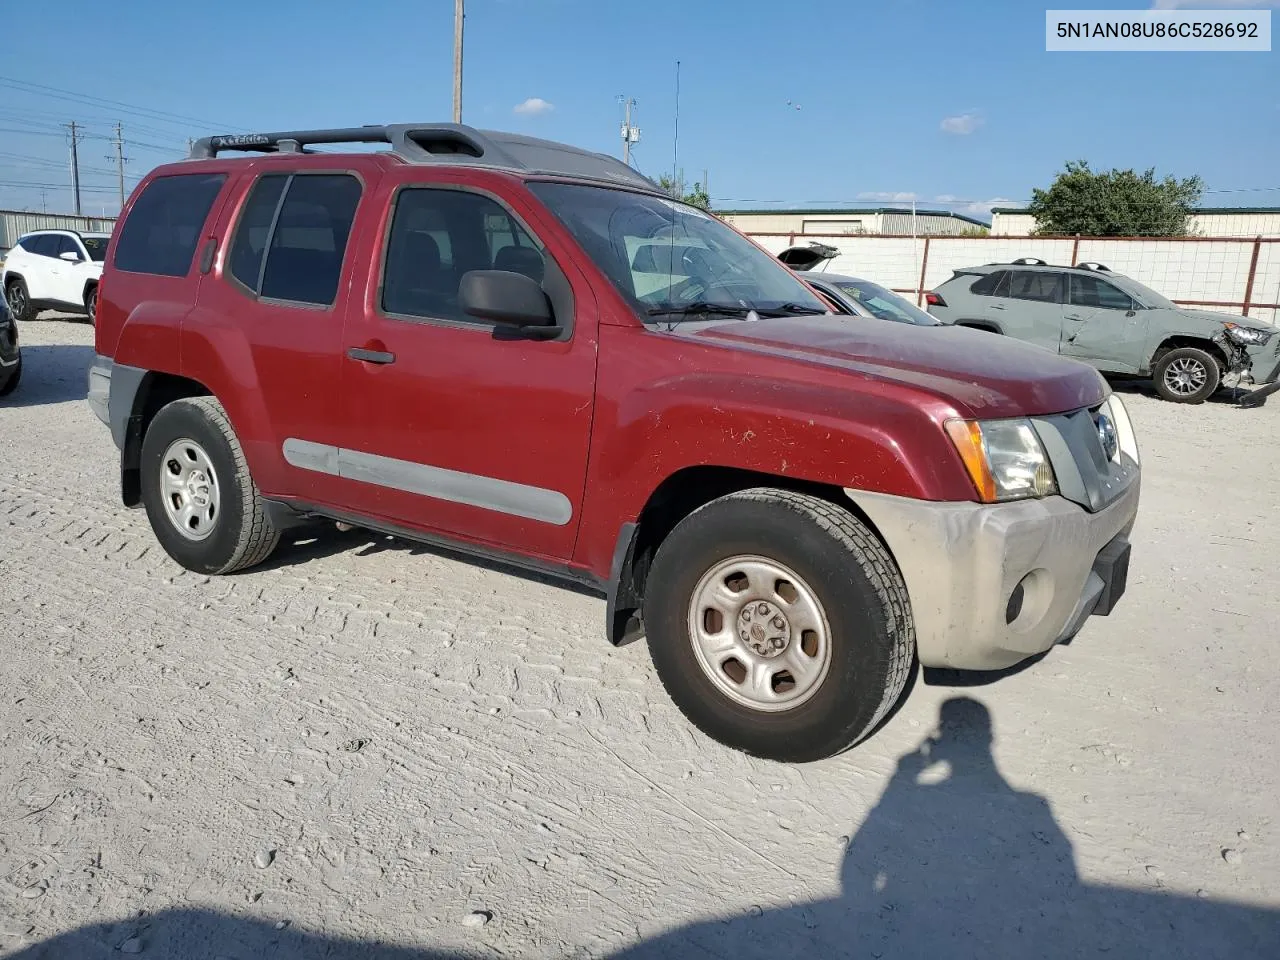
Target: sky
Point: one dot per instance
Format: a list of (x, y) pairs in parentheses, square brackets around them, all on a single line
[(826, 102)]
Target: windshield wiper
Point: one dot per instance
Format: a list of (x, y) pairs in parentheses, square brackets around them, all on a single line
[(789, 310), (700, 307)]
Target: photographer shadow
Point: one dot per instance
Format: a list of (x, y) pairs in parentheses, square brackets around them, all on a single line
[(954, 862)]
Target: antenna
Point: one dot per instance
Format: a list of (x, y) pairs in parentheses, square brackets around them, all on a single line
[(675, 136)]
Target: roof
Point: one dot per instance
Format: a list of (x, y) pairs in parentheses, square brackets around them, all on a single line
[(448, 144), (854, 211), (73, 232), (1198, 211)]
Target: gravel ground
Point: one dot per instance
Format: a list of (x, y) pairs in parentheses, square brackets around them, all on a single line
[(368, 749)]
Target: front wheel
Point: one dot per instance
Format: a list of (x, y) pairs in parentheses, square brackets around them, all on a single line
[(202, 503), (1187, 375), (91, 305), (779, 624)]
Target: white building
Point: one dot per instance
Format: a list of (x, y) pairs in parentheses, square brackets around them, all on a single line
[(895, 221), (1207, 222)]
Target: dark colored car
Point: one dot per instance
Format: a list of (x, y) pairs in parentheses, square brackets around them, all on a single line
[(532, 353), (10, 352)]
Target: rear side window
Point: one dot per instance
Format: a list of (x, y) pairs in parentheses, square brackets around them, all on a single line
[(1039, 285), (163, 228), (42, 245), (986, 285), (293, 235)]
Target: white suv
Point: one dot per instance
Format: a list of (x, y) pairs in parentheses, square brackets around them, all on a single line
[(54, 270)]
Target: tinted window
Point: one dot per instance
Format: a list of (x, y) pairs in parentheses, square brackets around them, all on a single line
[(304, 256), (1092, 292), (439, 235), (97, 247), (67, 245), (162, 230), (42, 244), (252, 233), (986, 285), (1035, 285)]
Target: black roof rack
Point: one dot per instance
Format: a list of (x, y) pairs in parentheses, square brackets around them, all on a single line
[(1093, 265), (1030, 261), (442, 143)]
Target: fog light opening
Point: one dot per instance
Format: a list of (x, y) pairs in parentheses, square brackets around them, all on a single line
[(1014, 608)]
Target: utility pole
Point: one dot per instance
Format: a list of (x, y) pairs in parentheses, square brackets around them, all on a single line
[(120, 160), (75, 164), (630, 134), (457, 60)]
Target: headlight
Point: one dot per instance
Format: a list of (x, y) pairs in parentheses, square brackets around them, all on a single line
[(1004, 458), (1248, 336)]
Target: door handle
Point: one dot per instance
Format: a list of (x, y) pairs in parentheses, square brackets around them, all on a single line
[(997, 306), (371, 356), (1074, 316)]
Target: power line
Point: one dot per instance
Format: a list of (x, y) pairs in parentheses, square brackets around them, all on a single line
[(158, 116)]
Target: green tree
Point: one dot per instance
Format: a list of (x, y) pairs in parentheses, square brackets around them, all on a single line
[(698, 196), (1115, 203)]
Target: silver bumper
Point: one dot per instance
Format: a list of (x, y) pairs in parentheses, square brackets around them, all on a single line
[(100, 388), (962, 563)]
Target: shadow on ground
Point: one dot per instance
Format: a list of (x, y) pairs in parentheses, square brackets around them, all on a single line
[(51, 373), (1228, 396), (952, 862)]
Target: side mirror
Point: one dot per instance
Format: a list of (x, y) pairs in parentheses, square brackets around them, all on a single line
[(70, 256), (508, 298)]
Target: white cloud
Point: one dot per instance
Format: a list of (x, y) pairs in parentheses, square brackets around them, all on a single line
[(982, 208), (888, 196), (1203, 4), (945, 198), (961, 124), (533, 107)]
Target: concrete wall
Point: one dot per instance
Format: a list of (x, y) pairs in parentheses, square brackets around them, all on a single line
[(1245, 224), (1207, 274)]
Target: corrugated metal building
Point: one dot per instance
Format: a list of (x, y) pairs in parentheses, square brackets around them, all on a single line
[(873, 220), (1207, 222), (14, 223)]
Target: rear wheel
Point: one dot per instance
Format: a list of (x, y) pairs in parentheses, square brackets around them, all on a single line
[(202, 503), (19, 301), (779, 624), (1187, 375)]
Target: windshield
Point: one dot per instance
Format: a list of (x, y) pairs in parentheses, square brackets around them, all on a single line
[(97, 247), (884, 303), (1148, 296), (670, 258)]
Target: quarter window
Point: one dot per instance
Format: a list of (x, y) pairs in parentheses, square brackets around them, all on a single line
[(986, 285), (439, 235), (1092, 292), (293, 235), (162, 230), (1039, 285)]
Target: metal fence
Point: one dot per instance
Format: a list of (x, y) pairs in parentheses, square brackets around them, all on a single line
[(14, 223), (1230, 274)]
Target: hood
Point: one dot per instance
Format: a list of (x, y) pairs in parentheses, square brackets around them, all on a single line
[(1219, 317), (981, 374)]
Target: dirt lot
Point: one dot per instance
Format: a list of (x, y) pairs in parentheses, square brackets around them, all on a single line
[(367, 749)]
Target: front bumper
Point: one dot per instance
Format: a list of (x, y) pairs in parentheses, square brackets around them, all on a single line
[(962, 563), (1265, 361)]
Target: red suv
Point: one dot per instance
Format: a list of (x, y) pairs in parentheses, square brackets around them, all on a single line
[(531, 353)]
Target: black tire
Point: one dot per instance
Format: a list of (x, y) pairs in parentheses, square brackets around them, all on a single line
[(1173, 368), (15, 374), (19, 300), (242, 533), (91, 305), (861, 593)]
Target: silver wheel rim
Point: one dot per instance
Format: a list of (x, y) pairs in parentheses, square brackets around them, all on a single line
[(93, 306), (1185, 376), (189, 489), (759, 633), (17, 300)]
